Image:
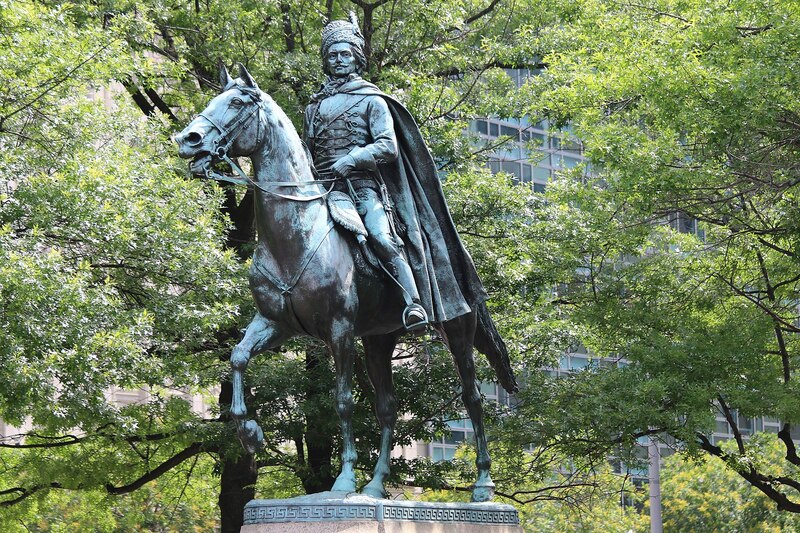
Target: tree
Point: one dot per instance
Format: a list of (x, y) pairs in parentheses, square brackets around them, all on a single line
[(112, 274), (703, 494), (688, 112), (118, 271)]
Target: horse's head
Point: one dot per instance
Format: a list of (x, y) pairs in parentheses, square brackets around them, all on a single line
[(229, 126)]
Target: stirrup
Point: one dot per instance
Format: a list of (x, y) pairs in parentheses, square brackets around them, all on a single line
[(415, 318)]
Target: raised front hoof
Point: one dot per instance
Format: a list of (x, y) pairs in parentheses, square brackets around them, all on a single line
[(344, 483), (251, 436), (375, 490), (484, 493)]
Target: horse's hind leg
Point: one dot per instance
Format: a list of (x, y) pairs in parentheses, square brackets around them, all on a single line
[(459, 334), (378, 350), (343, 351), (260, 335)]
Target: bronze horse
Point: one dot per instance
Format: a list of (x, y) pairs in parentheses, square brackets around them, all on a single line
[(305, 280)]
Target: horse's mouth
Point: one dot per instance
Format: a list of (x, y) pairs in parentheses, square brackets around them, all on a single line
[(201, 164)]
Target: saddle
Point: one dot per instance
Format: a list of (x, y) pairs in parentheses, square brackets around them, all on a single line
[(344, 214)]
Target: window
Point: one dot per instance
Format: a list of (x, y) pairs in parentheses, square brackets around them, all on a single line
[(541, 174), (570, 162), (445, 448), (527, 173), (510, 132), (512, 167), (538, 140)]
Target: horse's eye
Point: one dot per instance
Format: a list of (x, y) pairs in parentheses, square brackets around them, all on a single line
[(236, 101)]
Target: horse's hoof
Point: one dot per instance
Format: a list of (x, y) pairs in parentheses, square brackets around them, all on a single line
[(483, 494), (251, 436), (374, 491), (238, 411), (344, 484)]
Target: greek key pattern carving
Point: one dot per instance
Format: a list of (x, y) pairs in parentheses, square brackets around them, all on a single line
[(449, 514), (263, 514), (411, 511)]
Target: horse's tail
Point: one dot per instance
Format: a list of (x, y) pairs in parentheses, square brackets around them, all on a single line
[(490, 344)]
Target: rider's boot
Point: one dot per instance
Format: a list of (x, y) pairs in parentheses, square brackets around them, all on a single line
[(414, 316)]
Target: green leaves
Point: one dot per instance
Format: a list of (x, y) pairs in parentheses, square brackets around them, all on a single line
[(679, 255)]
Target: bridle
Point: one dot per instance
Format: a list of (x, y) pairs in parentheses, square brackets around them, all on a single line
[(228, 134)]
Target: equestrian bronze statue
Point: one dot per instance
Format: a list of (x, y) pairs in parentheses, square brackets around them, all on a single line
[(362, 247)]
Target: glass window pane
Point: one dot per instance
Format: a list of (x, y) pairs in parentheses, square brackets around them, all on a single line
[(540, 158), (489, 389), (541, 174), (538, 140), (493, 129), (482, 126), (578, 363), (512, 167), (437, 454), (527, 173), (511, 132), (455, 437)]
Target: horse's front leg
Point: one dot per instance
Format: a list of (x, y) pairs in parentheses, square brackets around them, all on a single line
[(378, 354), (261, 335), (343, 350), (459, 334)]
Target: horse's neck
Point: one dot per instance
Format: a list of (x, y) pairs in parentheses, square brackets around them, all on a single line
[(286, 225)]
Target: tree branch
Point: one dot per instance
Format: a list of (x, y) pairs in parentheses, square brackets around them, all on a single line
[(161, 469), (482, 13), (24, 493)]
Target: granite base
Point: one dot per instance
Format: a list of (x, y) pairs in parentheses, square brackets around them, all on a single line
[(338, 512)]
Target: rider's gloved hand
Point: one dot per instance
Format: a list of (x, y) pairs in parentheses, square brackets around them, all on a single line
[(344, 166)]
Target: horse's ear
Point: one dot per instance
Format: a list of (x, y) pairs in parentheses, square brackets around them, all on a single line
[(248, 79), (225, 80)]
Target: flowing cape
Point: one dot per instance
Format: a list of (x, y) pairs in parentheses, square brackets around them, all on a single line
[(448, 283)]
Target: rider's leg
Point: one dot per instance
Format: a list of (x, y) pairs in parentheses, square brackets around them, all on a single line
[(386, 247)]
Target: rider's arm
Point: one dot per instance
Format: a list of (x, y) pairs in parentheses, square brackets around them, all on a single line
[(383, 148)]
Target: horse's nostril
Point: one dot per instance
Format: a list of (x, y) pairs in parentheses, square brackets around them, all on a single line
[(194, 138)]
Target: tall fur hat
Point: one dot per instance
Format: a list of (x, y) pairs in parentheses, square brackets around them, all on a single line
[(342, 31)]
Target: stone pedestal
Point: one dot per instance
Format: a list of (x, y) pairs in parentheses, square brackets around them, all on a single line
[(338, 512)]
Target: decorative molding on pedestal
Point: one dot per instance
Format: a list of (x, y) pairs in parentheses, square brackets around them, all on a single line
[(332, 506)]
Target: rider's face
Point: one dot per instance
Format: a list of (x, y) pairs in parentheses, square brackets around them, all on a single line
[(340, 60)]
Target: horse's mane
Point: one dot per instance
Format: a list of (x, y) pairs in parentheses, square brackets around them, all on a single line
[(285, 151)]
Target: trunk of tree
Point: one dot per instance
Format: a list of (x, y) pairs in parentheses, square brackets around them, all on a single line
[(318, 472), (238, 476), (239, 473)]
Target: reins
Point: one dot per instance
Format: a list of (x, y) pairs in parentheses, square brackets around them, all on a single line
[(221, 151)]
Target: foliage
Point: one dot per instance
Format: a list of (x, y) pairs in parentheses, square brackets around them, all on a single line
[(112, 272), (703, 494), (117, 272), (178, 501), (551, 495), (688, 111), (600, 508), (679, 252)]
